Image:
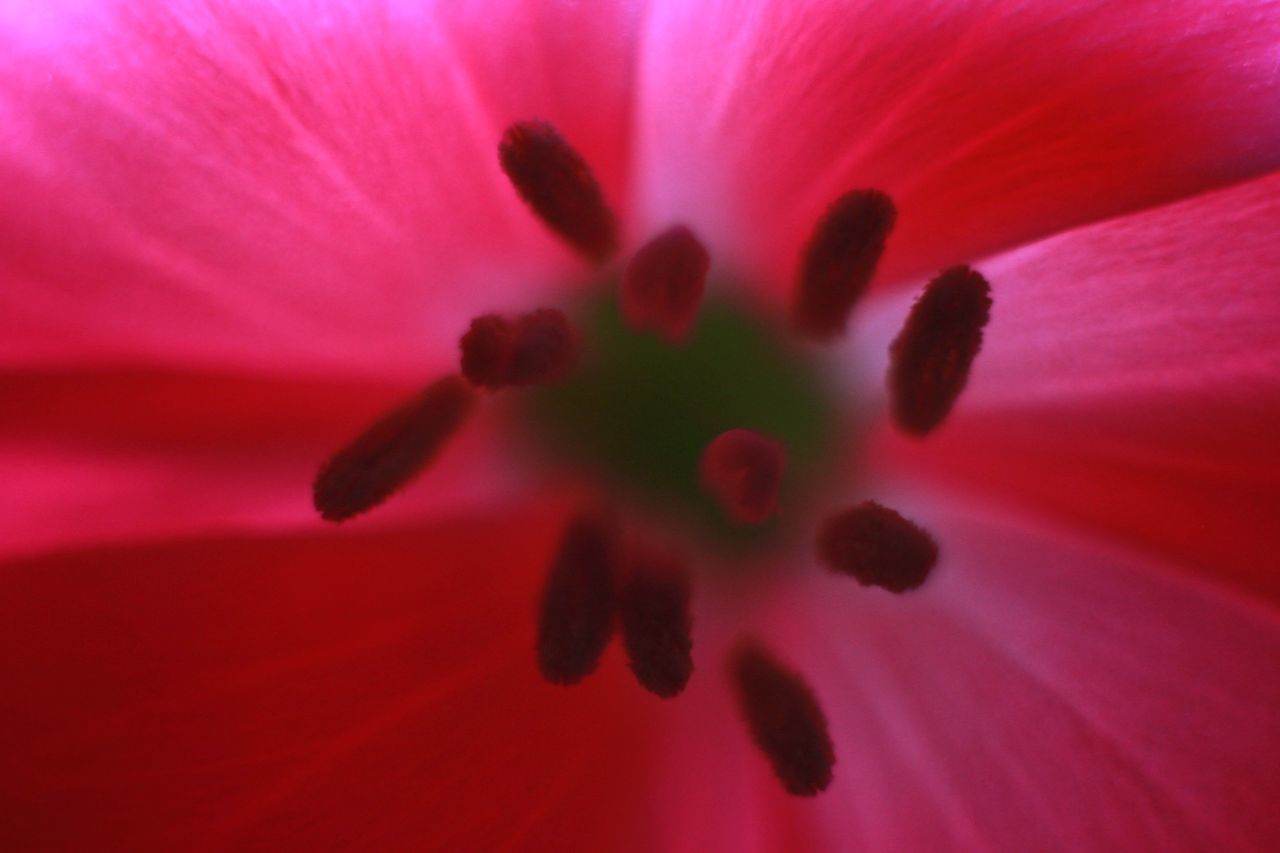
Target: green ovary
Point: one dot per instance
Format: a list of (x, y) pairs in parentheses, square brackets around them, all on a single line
[(639, 412)]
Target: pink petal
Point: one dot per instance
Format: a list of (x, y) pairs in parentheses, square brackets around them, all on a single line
[(989, 122), (549, 59), (1042, 692), (374, 692), (113, 456), (716, 790), (275, 185), (1130, 380)]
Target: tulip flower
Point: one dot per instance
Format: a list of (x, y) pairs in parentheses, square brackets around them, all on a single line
[(655, 425)]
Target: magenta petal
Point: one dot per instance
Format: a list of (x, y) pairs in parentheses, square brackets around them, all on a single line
[(265, 185), (988, 122), (1044, 691), (553, 60), (111, 456), (715, 789), (1130, 380)]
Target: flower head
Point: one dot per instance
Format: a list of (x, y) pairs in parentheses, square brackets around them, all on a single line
[(657, 314)]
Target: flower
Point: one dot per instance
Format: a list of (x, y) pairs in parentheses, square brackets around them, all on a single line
[(233, 231)]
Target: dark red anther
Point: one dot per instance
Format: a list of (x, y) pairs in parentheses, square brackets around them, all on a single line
[(878, 547), (534, 349), (546, 348), (392, 451), (743, 469), (576, 617), (785, 720), (657, 627), (486, 351), (839, 261), (663, 284), (556, 182), (930, 359)]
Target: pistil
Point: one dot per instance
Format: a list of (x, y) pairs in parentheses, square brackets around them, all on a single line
[(743, 470)]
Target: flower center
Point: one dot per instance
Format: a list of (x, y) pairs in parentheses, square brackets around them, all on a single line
[(639, 414), (702, 420)]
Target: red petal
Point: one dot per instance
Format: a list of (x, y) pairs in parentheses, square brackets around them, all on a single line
[(267, 186), (1044, 691), (528, 58), (717, 790), (989, 122), (1130, 380), (294, 693), (109, 456)]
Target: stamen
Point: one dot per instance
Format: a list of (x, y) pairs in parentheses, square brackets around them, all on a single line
[(536, 349), (546, 348), (785, 720), (930, 359), (839, 261), (391, 451), (576, 618), (657, 626), (556, 182), (486, 351), (878, 547), (743, 469), (663, 285)]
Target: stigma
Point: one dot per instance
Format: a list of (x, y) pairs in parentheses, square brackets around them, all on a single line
[(743, 470)]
